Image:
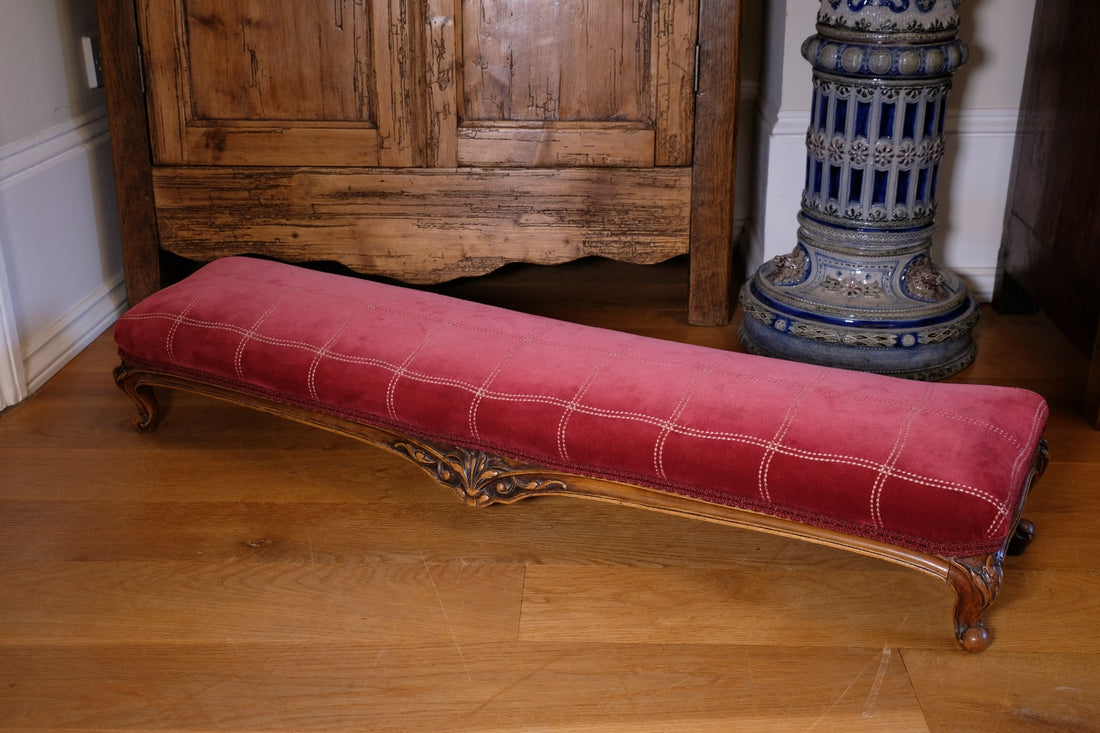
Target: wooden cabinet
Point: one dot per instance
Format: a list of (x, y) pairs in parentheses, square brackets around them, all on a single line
[(425, 140)]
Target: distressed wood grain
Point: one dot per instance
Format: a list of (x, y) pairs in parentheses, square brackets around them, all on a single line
[(240, 83), (425, 225)]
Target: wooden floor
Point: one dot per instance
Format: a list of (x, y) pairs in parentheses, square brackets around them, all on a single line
[(237, 572)]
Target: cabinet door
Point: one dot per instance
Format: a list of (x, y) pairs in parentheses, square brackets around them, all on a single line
[(566, 83), (267, 82)]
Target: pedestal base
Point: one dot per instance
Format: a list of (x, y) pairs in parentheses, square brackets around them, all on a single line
[(932, 347)]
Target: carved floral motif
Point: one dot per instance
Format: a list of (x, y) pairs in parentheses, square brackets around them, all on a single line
[(852, 285), (888, 16), (907, 154), (790, 269), (477, 477), (921, 280)]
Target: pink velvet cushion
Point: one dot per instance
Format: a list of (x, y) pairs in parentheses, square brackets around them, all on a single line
[(933, 467)]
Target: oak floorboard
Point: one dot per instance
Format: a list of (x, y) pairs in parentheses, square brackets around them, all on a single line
[(238, 601), (894, 607), (560, 532), (1008, 692), (1072, 446), (690, 605), (161, 473), (492, 687)]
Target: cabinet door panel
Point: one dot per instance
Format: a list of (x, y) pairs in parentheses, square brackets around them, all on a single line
[(277, 83), (576, 83), (241, 68), (568, 60)]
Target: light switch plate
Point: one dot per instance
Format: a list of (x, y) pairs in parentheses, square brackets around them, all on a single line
[(93, 62)]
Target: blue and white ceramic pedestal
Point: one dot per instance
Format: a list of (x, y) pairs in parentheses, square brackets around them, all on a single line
[(860, 289)]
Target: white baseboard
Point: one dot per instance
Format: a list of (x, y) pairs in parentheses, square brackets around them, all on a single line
[(52, 349), (980, 281), (750, 249), (13, 384), (62, 283)]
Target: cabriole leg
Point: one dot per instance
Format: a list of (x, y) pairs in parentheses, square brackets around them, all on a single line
[(976, 581), (143, 396)]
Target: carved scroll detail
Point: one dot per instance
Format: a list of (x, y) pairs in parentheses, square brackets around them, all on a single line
[(143, 396), (479, 478), (976, 581)]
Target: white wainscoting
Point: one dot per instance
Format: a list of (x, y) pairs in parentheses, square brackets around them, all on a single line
[(60, 258), (13, 384)]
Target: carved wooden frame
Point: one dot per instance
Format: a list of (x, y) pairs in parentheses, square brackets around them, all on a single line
[(480, 479)]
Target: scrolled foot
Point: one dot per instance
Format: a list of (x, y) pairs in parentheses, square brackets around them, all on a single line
[(974, 639), (976, 581)]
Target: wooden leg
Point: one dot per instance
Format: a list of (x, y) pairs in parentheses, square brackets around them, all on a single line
[(1021, 537), (976, 581), (143, 396)]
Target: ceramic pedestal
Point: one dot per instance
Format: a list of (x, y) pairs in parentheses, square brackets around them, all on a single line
[(860, 290)]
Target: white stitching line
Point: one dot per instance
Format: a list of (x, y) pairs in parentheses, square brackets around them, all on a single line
[(640, 359), (240, 330), (320, 353), (1017, 477), (1025, 454), (402, 370), (248, 276), (178, 318), (667, 427), (482, 390), (918, 479), (572, 405), (1011, 439), (247, 336), (900, 440), (776, 442)]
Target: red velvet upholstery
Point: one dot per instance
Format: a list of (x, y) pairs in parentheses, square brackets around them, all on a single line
[(933, 467)]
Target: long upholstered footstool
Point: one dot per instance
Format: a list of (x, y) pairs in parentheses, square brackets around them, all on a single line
[(499, 405)]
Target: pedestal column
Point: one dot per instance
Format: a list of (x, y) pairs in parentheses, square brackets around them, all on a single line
[(860, 290)]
